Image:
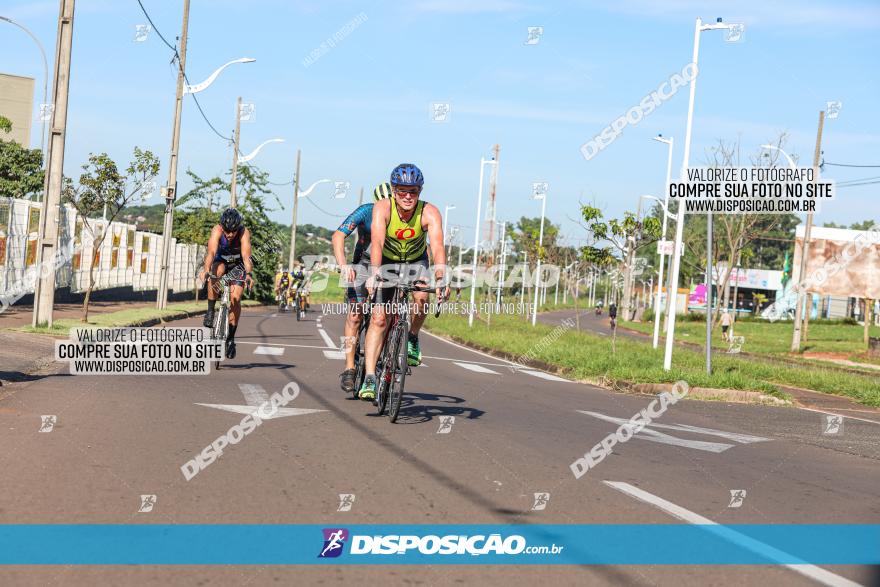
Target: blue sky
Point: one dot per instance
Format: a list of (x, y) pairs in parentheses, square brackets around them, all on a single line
[(363, 106)]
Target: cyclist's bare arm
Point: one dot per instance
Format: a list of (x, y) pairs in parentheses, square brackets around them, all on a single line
[(246, 257), (432, 222), (338, 241), (381, 216), (213, 244)]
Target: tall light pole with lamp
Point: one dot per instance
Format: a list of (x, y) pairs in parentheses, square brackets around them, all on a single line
[(483, 163), (539, 192), (734, 31), (669, 143)]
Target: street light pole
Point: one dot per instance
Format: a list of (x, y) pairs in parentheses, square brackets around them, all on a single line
[(483, 162), (171, 186), (668, 142), (44, 287), (543, 197), (45, 82), (699, 27), (446, 220), (233, 201), (503, 257)]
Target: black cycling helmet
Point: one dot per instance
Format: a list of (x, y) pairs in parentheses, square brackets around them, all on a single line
[(231, 220)]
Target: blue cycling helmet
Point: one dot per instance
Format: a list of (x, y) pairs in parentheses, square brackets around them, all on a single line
[(407, 174)]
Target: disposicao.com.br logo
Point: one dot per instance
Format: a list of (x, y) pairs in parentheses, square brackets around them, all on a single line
[(430, 544)]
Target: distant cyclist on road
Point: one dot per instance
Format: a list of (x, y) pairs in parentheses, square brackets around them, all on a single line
[(401, 228), (612, 314), (229, 251), (355, 275)]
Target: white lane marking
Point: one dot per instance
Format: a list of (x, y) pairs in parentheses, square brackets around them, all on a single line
[(472, 362), (326, 338), (254, 395), (475, 368), (735, 436), (543, 375), (334, 354), (269, 350), (811, 571), (654, 436), (299, 346), (461, 346), (841, 415)]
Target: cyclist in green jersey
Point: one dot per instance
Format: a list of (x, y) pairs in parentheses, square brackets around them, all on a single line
[(402, 228)]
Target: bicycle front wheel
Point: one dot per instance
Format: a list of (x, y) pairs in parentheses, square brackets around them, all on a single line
[(399, 367), (221, 329)]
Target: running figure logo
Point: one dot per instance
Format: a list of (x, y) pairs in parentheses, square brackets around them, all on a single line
[(446, 423), (147, 503), (833, 424), (47, 423), (737, 497), (346, 500), (334, 541), (541, 501), (535, 33)]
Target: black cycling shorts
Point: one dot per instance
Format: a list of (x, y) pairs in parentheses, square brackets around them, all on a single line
[(396, 272)]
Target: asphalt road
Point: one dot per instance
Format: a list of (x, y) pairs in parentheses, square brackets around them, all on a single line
[(515, 433)]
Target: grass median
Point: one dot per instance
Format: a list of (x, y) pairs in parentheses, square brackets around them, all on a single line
[(583, 355), (121, 318)]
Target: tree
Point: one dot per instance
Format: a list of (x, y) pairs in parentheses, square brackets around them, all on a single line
[(21, 170), (201, 212), (102, 188), (5, 124), (625, 236)]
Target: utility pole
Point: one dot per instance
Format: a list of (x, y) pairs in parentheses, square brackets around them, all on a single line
[(503, 259), (292, 258), (44, 288), (171, 187), (805, 249), (361, 197), (233, 200)]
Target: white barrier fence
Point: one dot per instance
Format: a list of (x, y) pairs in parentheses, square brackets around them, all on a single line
[(127, 257)]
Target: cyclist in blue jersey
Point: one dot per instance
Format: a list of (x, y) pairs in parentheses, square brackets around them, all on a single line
[(229, 252), (355, 274)]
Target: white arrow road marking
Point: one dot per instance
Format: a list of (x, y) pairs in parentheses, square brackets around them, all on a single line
[(742, 438), (475, 368), (812, 571), (299, 346), (256, 396), (654, 436), (543, 375), (279, 413), (269, 350), (334, 354)]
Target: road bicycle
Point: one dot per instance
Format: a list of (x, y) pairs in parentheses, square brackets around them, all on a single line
[(299, 305), (392, 367), (220, 328), (360, 358)]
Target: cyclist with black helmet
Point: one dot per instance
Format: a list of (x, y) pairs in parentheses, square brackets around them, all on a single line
[(402, 227), (229, 252), (355, 274)]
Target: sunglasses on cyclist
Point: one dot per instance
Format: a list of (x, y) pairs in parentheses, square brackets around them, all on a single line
[(407, 193)]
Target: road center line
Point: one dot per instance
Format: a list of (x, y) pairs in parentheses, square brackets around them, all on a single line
[(811, 571)]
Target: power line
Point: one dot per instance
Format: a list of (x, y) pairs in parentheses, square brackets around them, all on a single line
[(847, 165), (177, 59), (852, 185), (309, 200), (843, 183)]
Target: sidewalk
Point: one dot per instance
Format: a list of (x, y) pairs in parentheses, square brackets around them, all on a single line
[(17, 316)]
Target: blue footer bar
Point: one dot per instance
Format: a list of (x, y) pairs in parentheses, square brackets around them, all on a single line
[(618, 544)]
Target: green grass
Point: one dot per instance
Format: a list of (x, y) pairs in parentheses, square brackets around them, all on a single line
[(123, 317), (766, 337), (583, 355)]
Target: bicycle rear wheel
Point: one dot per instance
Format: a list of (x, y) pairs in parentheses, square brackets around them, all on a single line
[(385, 374), (221, 329), (360, 368), (398, 369)]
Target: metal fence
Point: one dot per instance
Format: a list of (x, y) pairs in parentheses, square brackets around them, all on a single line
[(127, 257)]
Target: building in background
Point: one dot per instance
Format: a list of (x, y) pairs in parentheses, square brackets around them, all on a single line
[(17, 104)]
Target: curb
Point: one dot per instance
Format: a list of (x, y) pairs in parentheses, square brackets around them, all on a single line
[(624, 386)]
